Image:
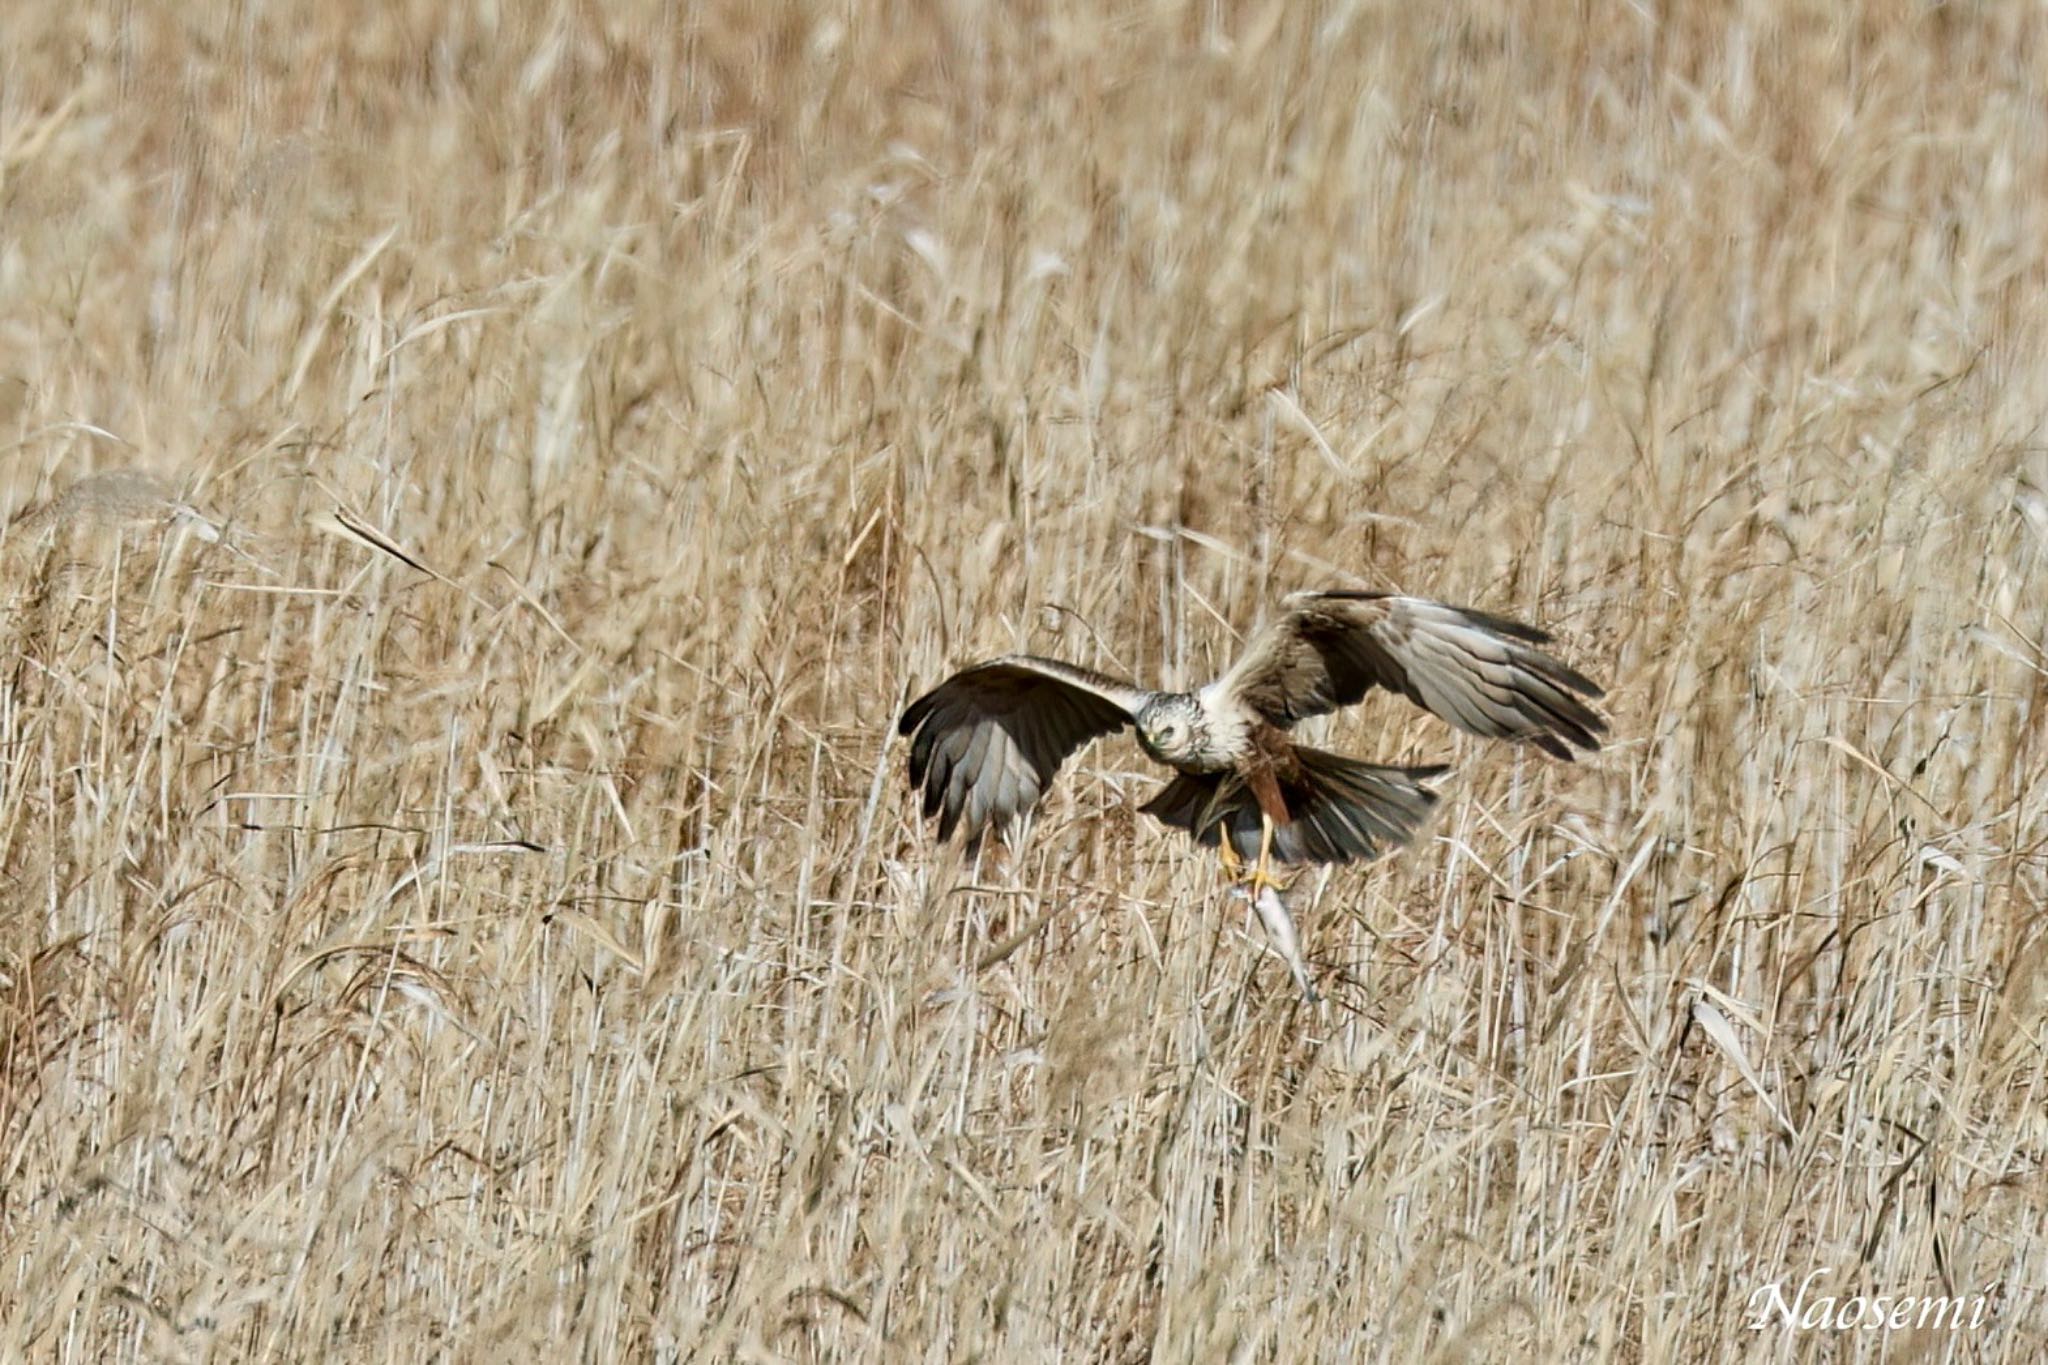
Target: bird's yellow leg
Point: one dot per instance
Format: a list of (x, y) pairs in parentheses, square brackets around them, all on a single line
[(1262, 870), (1226, 853)]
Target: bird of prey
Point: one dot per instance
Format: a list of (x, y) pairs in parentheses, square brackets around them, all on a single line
[(985, 743)]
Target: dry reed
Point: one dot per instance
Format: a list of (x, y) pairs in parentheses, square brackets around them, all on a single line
[(499, 930)]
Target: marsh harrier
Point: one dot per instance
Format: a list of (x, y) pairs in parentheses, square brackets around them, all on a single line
[(985, 743)]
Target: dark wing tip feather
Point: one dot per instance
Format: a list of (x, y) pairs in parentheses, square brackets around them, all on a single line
[(1580, 683), (1508, 626), (1340, 595), (1559, 716), (1554, 670)]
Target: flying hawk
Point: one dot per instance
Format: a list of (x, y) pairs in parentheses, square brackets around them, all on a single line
[(985, 743)]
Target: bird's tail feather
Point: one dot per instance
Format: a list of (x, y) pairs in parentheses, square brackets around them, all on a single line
[(1342, 809)]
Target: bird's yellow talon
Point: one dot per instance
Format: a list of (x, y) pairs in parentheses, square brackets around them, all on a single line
[(1262, 874), (1260, 878)]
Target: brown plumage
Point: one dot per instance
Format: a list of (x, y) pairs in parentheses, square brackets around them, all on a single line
[(1479, 671)]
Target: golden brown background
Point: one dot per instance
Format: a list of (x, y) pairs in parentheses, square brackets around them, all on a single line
[(529, 951)]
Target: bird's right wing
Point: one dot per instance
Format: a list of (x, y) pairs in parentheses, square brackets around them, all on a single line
[(1482, 673), (985, 743)]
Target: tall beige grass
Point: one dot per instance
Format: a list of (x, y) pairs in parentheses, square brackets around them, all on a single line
[(464, 903)]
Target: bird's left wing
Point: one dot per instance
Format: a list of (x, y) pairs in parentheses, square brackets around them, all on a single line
[(1480, 672), (985, 743)]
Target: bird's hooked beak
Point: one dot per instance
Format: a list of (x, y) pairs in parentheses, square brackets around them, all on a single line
[(1152, 736)]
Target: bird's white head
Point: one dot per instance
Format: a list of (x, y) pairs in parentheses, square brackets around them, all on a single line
[(1172, 729)]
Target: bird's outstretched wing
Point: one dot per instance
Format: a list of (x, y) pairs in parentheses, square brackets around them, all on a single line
[(1480, 672), (985, 743)]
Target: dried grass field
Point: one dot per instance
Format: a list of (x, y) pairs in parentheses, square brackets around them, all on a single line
[(481, 482)]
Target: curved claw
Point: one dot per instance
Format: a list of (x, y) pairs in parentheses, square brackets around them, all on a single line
[(1259, 878), (1262, 874)]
